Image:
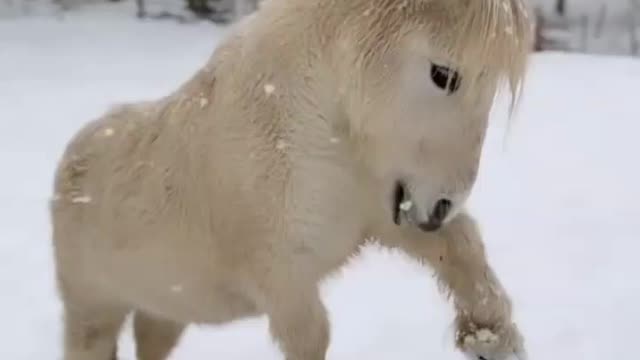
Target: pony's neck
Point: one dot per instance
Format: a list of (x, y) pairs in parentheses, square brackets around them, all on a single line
[(296, 53)]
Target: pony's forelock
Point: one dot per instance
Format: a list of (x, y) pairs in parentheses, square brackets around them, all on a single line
[(486, 38)]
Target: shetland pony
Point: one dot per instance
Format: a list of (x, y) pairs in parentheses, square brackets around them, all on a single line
[(316, 124)]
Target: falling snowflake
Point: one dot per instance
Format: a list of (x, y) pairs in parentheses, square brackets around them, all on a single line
[(334, 140), (176, 288), (269, 89), (203, 102), (108, 132), (281, 145), (81, 199)]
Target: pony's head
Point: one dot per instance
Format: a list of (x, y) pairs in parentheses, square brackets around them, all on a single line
[(419, 78)]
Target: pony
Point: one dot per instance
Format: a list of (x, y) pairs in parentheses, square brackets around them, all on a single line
[(314, 126)]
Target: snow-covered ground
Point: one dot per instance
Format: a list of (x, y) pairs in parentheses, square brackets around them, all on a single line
[(557, 199)]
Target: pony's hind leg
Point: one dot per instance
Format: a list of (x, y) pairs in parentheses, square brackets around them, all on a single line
[(91, 332), (155, 338)]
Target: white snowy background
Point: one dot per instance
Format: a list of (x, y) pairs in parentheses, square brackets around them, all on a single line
[(558, 199)]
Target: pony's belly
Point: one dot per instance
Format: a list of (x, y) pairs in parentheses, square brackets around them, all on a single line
[(196, 304), (183, 297), (186, 284)]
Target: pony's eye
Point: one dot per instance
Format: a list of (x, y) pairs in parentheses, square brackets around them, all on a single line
[(445, 78)]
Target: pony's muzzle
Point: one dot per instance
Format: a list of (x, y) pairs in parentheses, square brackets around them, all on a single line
[(405, 209)]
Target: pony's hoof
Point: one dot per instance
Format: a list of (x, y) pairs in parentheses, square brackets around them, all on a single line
[(484, 344)]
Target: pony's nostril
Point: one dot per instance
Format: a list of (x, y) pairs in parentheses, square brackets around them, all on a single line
[(437, 216), (440, 211)]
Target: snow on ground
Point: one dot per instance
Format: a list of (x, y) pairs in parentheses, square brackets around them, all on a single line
[(557, 199)]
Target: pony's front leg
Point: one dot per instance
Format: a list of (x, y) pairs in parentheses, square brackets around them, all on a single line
[(298, 320), (484, 326)]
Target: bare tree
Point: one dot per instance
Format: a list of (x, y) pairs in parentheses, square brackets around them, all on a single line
[(633, 27), (602, 16), (538, 44), (200, 7), (584, 26), (561, 7), (141, 10)]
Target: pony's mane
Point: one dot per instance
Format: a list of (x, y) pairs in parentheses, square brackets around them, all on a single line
[(485, 38)]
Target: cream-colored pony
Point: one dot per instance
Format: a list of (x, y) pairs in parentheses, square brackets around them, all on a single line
[(316, 124)]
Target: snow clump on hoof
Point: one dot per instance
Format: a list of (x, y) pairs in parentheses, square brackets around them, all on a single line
[(482, 343)]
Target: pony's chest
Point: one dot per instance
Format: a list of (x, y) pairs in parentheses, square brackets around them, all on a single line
[(327, 216)]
